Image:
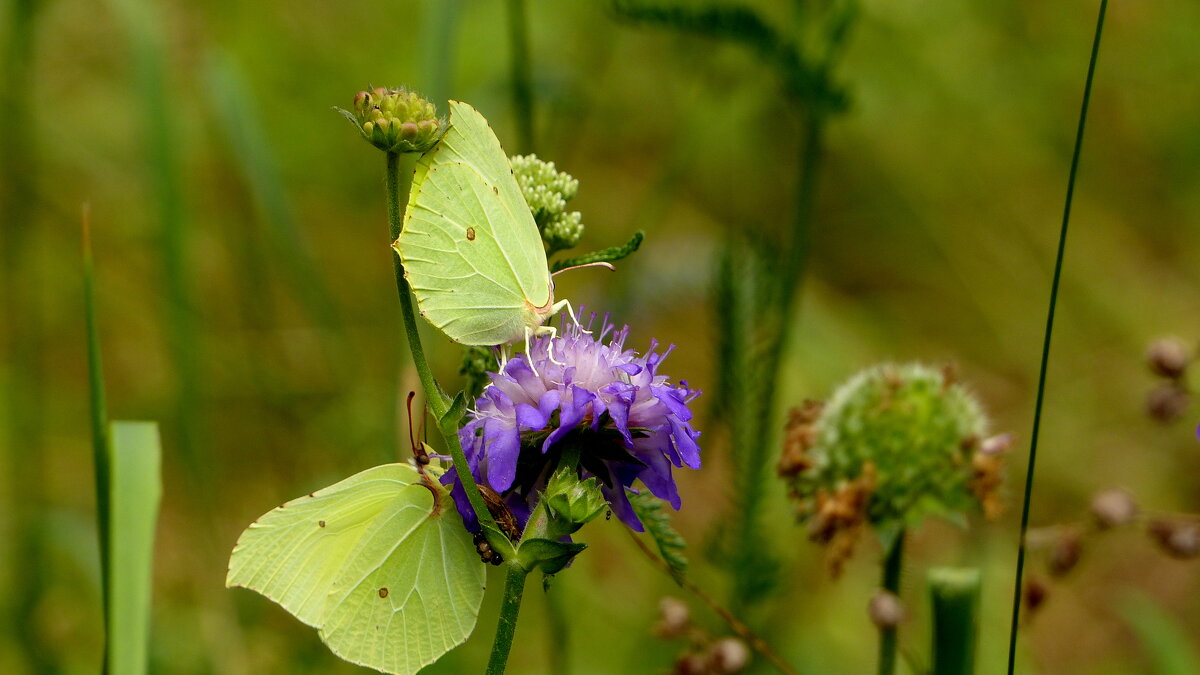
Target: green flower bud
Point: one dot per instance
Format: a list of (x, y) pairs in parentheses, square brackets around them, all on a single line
[(573, 501), (476, 363), (396, 120), (547, 192), (894, 443)]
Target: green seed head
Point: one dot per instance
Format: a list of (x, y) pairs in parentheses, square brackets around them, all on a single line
[(547, 192), (894, 443), (396, 120)]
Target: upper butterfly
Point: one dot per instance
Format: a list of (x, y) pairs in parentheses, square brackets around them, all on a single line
[(470, 248)]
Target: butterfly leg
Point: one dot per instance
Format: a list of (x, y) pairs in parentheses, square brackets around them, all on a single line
[(564, 303), (553, 333), (528, 355)]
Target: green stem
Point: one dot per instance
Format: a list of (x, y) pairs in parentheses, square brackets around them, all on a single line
[(522, 90), (1037, 410), (510, 607), (398, 183), (891, 583), (556, 618)]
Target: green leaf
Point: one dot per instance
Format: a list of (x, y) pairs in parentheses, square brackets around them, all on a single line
[(548, 555), (653, 514), (1169, 647), (379, 563), (611, 254), (134, 490), (449, 422)]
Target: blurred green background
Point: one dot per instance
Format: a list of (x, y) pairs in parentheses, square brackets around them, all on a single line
[(246, 299)]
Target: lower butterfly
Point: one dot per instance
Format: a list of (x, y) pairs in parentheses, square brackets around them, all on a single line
[(380, 564)]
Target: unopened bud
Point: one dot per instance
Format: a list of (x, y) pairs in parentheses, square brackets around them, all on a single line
[(728, 655), (1168, 357), (885, 610), (690, 664), (396, 120), (1177, 538), (1066, 553), (1167, 402), (673, 618), (1034, 595), (997, 444), (1113, 508)]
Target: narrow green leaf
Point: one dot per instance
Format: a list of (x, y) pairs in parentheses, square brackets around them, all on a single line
[(251, 148), (611, 254), (135, 488), (653, 514), (548, 555), (1169, 647), (99, 406)]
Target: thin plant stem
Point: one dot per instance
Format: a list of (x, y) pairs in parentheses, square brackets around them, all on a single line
[(510, 609), (740, 629), (398, 183), (1041, 390), (522, 89), (99, 404), (892, 566)]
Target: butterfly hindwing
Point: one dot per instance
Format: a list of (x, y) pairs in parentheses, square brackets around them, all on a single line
[(390, 580)]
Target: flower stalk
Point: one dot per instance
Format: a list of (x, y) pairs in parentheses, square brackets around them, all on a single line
[(510, 609), (892, 566), (398, 182)]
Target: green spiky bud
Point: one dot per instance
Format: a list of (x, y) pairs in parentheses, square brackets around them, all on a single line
[(894, 443), (396, 120), (547, 192), (571, 501)]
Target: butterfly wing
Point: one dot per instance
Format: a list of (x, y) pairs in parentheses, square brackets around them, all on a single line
[(389, 583), (470, 248)]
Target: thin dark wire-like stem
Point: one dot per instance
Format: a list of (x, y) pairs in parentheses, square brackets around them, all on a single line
[(1041, 391)]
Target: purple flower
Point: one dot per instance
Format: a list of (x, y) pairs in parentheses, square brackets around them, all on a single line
[(628, 421)]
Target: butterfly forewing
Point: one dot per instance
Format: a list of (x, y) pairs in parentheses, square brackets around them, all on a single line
[(470, 247)]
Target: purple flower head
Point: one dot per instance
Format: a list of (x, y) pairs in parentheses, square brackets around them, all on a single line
[(627, 420)]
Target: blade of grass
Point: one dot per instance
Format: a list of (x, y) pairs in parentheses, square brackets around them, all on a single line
[(1041, 390), (135, 489), (1170, 649), (234, 103), (522, 89), (441, 28), (99, 404), (22, 318), (143, 30)]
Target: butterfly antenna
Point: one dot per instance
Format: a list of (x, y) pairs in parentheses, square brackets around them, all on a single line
[(419, 454), (606, 265)]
